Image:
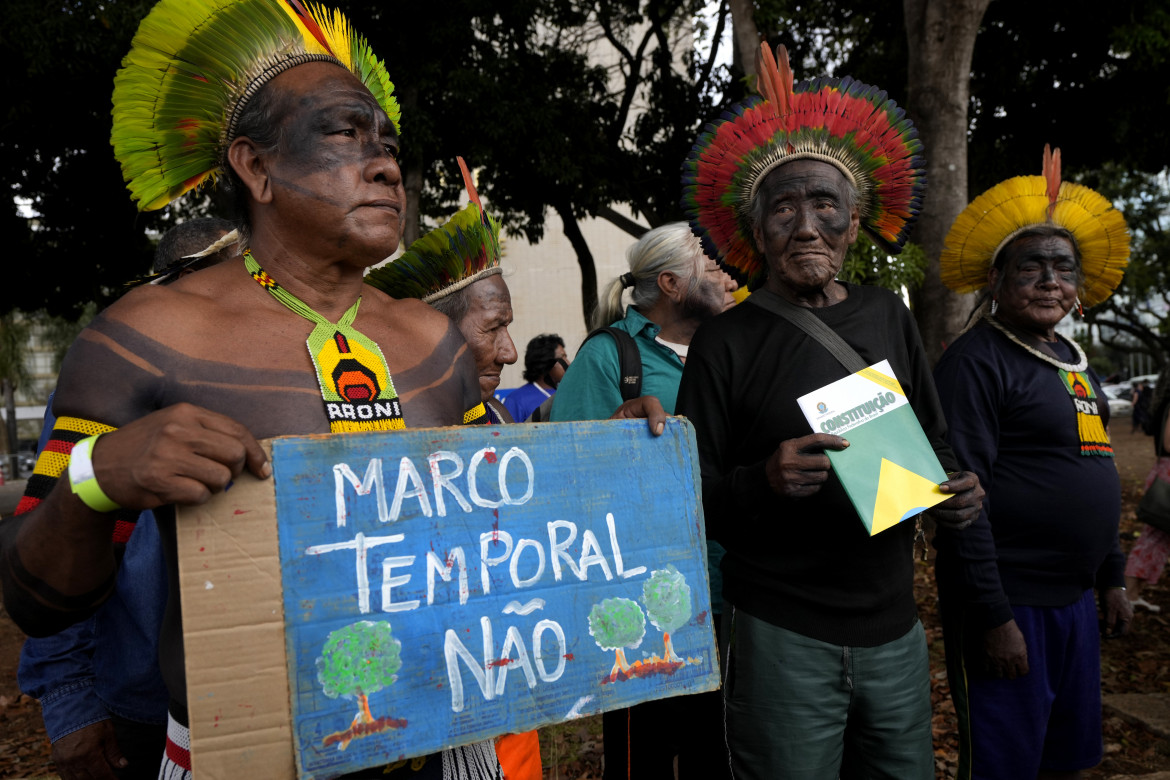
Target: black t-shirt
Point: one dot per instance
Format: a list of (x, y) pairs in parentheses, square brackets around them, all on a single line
[(1048, 531), (808, 564)]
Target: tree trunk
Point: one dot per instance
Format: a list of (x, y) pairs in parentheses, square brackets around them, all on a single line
[(365, 714), (412, 174), (622, 222), (584, 259), (619, 663), (745, 37), (671, 656), (12, 444), (941, 37)]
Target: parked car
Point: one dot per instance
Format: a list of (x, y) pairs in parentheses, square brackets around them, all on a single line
[(26, 460), (1126, 387), (1119, 404)]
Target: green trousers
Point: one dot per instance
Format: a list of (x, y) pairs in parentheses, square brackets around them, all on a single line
[(801, 709)]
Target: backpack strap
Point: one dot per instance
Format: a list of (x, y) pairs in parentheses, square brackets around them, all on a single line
[(543, 412), (808, 322), (629, 361)]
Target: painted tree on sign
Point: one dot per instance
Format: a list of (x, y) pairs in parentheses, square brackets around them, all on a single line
[(616, 624), (668, 603), (358, 660)]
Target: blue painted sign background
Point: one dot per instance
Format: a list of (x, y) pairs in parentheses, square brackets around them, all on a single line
[(443, 586)]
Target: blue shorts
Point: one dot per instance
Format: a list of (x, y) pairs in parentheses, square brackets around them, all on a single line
[(1049, 719)]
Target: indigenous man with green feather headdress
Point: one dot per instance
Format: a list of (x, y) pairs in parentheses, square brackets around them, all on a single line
[(162, 399)]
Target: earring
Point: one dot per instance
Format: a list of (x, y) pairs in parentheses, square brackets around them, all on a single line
[(994, 306), (1080, 310)]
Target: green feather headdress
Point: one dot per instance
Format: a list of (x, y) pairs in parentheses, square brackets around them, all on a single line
[(193, 66), (447, 259)]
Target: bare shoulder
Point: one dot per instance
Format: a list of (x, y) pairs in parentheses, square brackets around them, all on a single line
[(165, 311), (431, 363), (408, 315), (411, 329)]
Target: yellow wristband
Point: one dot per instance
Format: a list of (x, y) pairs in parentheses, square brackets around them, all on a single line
[(82, 479)]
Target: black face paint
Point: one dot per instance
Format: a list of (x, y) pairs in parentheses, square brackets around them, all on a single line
[(806, 225), (346, 130), (334, 180), (1037, 285), (290, 185)]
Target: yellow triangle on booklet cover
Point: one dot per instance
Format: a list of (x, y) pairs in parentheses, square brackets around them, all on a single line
[(901, 493)]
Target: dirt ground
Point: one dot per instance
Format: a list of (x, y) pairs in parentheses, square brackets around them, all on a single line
[(1139, 663)]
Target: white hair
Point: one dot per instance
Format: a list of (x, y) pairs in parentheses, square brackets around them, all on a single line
[(670, 247)]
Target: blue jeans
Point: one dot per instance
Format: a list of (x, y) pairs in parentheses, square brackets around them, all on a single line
[(801, 709)]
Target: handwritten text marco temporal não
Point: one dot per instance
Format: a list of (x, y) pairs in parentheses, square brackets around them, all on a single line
[(562, 549)]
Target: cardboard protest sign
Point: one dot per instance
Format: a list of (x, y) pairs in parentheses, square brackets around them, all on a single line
[(443, 586)]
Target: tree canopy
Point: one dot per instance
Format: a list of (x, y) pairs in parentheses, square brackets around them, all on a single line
[(617, 623), (516, 89), (55, 157), (1137, 317), (359, 659)]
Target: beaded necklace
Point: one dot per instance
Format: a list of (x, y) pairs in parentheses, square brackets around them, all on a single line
[(355, 381), (1094, 439)]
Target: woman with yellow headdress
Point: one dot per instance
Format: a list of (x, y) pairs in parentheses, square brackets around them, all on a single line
[(1027, 414)]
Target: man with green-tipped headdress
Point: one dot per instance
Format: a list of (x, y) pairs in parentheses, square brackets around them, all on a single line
[(456, 269), (162, 399)]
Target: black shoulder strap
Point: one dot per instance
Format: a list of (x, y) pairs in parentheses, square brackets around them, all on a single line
[(629, 360), (543, 412), (808, 322)]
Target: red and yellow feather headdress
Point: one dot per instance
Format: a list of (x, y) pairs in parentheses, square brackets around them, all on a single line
[(850, 125), (997, 216), (194, 65)]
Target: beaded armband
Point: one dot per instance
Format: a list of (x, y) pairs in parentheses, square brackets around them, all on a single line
[(53, 462)]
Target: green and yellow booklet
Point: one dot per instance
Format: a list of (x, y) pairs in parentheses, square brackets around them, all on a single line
[(889, 470)]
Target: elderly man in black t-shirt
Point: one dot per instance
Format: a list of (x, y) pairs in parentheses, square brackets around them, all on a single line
[(826, 670)]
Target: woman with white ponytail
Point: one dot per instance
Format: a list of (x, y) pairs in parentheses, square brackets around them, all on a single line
[(674, 288)]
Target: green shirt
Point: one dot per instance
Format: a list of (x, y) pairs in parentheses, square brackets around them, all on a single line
[(589, 391)]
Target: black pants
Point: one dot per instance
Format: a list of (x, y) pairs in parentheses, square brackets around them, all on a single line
[(143, 745), (690, 727)]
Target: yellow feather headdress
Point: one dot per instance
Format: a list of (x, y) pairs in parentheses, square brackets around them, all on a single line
[(192, 68), (997, 216)]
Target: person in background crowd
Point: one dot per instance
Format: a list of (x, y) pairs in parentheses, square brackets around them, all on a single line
[(545, 362), (825, 672), (192, 246), (103, 699), (1028, 415), (1142, 411), (456, 269), (1147, 557), (675, 288)]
